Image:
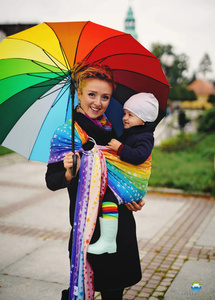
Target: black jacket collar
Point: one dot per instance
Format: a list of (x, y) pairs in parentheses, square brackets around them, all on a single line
[(147, 127)]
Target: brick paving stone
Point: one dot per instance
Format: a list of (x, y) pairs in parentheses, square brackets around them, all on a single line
[(152, 267), (128, 297), (157, 276), (141, 283), (170, 275), (172, 272), (172, 256), (163, 269), (154, 281), (137, 287), (158, 294), (168, 261), (158, 258), (165, 265), (161, 288), (144, 294), (147, 290), (132, 293), (155, 264), (175, 267), (185, 251), (145, 279), (151, 285), (165, 283)]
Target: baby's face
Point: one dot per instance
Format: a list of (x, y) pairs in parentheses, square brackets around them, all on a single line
[(129, 119)]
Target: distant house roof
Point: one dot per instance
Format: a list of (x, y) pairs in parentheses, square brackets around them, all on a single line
[(202, 87)]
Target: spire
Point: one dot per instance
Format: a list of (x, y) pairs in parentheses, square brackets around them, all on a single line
[(130, 23)]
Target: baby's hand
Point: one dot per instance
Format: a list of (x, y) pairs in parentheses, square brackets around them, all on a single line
[(114, 144), (133, 206)]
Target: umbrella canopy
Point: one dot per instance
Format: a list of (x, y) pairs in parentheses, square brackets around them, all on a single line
[(35, 79)]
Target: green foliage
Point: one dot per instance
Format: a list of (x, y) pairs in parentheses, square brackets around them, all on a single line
[(207, 121), (179, 92), (159, 49), (179, 142), (191, 170), (211, 99), (174, 65), (205, 65), (4, 151), (176, 72)]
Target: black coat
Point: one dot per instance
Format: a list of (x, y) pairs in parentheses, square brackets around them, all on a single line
[(138, 143), (111, 271)]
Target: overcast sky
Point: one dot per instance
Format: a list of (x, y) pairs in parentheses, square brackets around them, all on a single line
[(187, 25)]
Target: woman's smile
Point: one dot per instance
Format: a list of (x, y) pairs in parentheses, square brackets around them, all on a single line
[(95, 97)]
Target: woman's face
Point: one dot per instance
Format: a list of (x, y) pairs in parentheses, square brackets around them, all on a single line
[(95, 97)]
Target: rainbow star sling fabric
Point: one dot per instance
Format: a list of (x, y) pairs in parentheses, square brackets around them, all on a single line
[(99, 167)]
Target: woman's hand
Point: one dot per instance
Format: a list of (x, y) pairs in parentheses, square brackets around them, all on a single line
[(134, 206), (68, 164), (114, 144)]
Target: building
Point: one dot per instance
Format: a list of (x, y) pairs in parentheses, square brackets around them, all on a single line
[(130, 23), (203, 89)]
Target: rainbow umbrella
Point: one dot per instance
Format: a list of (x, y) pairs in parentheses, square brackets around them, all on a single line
[(35, 81)]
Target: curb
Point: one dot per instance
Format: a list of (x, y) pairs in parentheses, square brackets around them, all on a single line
[(182, 193)]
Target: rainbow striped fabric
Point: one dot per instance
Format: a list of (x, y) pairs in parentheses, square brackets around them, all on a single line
[(109, 210), (128, 182)]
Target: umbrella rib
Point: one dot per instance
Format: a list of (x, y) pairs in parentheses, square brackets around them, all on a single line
[(89, 54), (166, 84), (76, 50), (60, 96), (37, 63), (41, 97), (142, 55), (39, 76), (42, 85), (64, 57), (45, 119), (54, 62)]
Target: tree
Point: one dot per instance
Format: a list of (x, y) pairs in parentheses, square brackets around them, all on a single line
[(158, 49), (211, 99), (178, 69), (205, 65), (207, 120), (180, 92), (174, 65)]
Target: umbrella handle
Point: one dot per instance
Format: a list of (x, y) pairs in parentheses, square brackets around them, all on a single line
[(74, 167)]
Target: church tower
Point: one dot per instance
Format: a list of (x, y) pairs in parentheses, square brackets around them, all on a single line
[(130, 23)]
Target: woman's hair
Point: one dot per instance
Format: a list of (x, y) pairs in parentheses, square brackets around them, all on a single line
[(84, 70)]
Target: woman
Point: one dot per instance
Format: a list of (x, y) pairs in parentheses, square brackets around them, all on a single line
[(112, 272)]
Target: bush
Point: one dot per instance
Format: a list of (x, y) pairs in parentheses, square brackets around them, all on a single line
[(181, 141), (181, 93), (211, 99), (4, 151), (191, 170), (207, 121)]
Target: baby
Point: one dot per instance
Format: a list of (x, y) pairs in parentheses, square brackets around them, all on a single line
[(137, 140)]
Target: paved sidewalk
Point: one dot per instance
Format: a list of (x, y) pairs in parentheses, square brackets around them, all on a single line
[(176, 237)]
